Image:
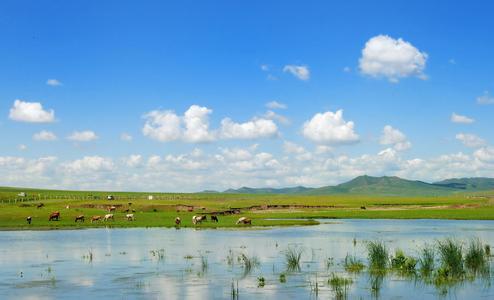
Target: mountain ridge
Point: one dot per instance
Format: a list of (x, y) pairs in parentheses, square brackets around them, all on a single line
[(382, 185)]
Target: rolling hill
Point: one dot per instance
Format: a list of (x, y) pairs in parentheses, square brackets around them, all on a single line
[(384, 186)]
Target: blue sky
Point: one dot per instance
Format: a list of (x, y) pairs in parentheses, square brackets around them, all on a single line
[(117, 66)]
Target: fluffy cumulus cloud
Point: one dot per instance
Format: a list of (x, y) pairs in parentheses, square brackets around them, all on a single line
[(163, 126), (394, 137), (301, 72), (485, 99), (196, 120), (456, 118), (44, 135), (31, 112), (470, 140), (330, 128), (485, 154), (83, 136), (384, 56), (275, 105), (253, 129), (89, 164), (53, 82), (193, 126)]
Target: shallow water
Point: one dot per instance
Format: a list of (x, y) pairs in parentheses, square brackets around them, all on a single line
[(56, 264)]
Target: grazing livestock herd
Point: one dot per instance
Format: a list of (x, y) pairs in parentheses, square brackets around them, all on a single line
[(55, 216)]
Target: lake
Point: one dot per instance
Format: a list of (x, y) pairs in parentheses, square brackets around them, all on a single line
[(161, 263)]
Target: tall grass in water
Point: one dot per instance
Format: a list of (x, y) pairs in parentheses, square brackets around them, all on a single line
[(248, 263), (405, 265), (377, 255), (293, 256), (426, 260), (339, 285), (476, 260), (352, 264), (451, 257)]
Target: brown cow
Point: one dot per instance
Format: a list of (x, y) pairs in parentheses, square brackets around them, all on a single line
[(111, 208), (40, 205), (79, 218), (95, 218), (54, 216)]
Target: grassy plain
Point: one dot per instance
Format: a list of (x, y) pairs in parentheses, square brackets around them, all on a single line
[(264, 210)]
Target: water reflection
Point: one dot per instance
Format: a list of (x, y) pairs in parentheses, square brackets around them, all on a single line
[(54, 264)]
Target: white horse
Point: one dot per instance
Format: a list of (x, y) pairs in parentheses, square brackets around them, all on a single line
[(130, 217), (198, 219)]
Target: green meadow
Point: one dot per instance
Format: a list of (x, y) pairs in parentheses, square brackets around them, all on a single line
[(264, 209)]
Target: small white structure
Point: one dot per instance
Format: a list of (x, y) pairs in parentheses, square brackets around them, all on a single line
[(22, 194), (150, 197), (110, 197)]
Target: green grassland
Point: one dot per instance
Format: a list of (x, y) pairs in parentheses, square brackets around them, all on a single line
[(263, 209)]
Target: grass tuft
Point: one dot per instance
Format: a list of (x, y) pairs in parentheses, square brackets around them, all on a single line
[(352, 264), (377, 255), (292, 257)]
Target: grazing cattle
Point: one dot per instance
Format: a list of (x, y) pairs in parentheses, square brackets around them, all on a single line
[(111, 208), (54, 216), (125, 210), (214, 219), (363, 207), (108, 217), (29, 219), (40, 205), (178, 221), (190, 209), (130, 217), (95, 218), (79, 218), (244, 220), (198, 219)]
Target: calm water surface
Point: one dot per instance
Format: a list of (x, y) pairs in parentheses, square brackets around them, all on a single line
[(55, 264)]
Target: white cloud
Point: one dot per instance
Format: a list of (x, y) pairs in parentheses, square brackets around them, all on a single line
[(292, 148), (197, 125), (163, 126), (275, 105), (44, 135), (126, 137), (89, 164), (330, 128), (271, 115), (32, 112), (470, 140), (301, 72), (456, 118), (22, 147), (392, 136), (253, 129), (83, 136), (133, 160), (391, 58), (53, 82), (265, 67), (485, 99), (485, 154)]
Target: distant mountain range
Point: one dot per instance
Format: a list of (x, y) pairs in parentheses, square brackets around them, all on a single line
[(384, 186)]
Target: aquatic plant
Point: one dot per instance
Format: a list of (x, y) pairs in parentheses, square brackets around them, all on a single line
[(89, 255), (426, 260), (261, 281), (402, 263), (314, 286), (292, 257), (476, 260), (159, 254), (329, 262), (234, 291), (204, 264), (451, 258), (282, 278), (487, 249), (339, 285), (248, 263), (229, 257), (377, 255), (352, 264)]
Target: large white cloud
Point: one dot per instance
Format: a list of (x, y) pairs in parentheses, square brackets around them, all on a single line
[(83, 136), (196, 120), (163, 126), (470, 140), (255, 128), (44, 135), (330, 128), (384, 56), (32, 112), (456, 118), (301, 72), (394, 137)]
